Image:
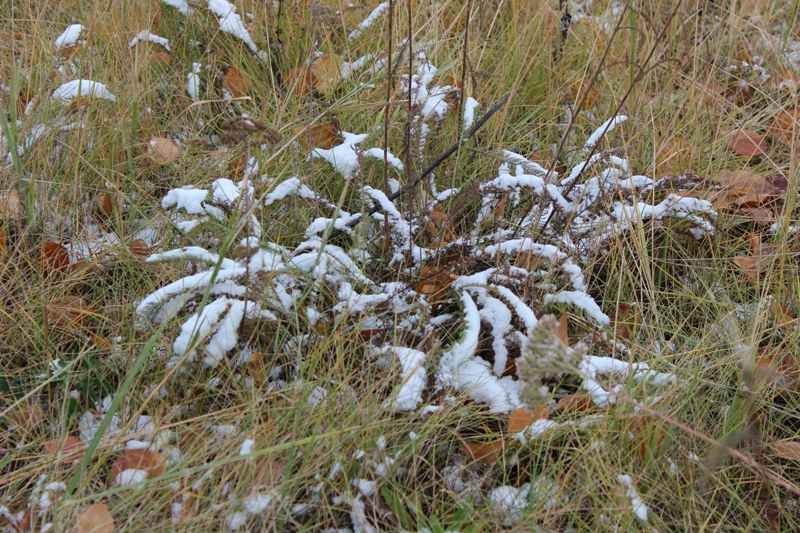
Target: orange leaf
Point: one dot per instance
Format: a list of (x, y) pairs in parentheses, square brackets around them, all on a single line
[(522, 418), (10, 205), (96, 518), (326, 73), (105, 204), (70, 447), (139, 248), (646, 431), (577, 402), (68, 312), (785, 128), (163, 151), (152, 463), (787, 449), (324, 136), (485, 452), (561, 328), (578, 90), (747, 143), (235, 82), (53, 256)]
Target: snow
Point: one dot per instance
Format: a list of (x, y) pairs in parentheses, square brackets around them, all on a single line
[(369, 21), (70, 36), (377, 153), (582, 301), (145, 35), (192, 200), (343, 157), (193, 82), (511, 502), (607, 127), (366, 487), (460, 369), (639, 509), (414, 378), (130, 476), (469, 112), (247, 447), (180, 5), (230, 22), (78, 88)]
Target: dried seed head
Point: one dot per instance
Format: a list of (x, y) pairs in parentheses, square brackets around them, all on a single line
[(545, 356)]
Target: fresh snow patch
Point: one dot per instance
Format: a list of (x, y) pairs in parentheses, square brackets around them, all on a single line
[(231, 22), (469, 112), (145, 35), (180, 5), (639, 508), (193, 82), (70, 36), (130, 477), (247, 447), (369, 21), (77, 88)]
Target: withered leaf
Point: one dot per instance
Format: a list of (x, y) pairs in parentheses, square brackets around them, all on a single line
[(787, 449), (96, 518), (163, 151), (485, 452), (784, 128), (747, 143), (235, 82), (53, 257)]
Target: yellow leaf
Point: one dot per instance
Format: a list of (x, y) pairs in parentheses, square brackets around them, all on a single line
[(95, 519), (163, 151)]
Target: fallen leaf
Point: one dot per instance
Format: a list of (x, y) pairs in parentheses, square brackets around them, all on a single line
[(762, 216), (68, 312), (485, 452), (299, 80), (163, 151), (647, 431), (319, 135), (139, 248), (787, 449), (235, 82), (105, 204), (753, 266), (561, 330), (744, 182), (522, 418), (578, 90), (53, 257), (434, 280), (776, 367), (326, 73), (160, 58), (747, 143), (783, 126), (577, 402), (69, 448), (139, 459), (96, 518), (10, 205)]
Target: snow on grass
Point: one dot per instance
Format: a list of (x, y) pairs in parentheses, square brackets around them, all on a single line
[(344, 157), (231, 22), (369, 21), (70, 36), (413, 380), (80, 88), (606, 128), (639, 508), (180, 5), (469, 112), (145, 35), (193, 82)]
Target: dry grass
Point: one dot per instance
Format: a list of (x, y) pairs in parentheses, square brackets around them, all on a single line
[(685, 304)]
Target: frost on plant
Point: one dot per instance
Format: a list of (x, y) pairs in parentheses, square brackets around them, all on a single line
[(527, 247)]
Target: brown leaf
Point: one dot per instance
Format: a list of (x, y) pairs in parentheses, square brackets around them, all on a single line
[(96, 518), (787, 449), (747, 143), (68, 312), (105, 204), (623, 318), (784, 128), (485, 452), (753, 266), (161, 57), (299, 78), (163, 151), (646, 431), (434, 280), (53, 257), (578, 90), (139, 248), (326, 73), (577, 402), (235, 82), (561, 330), (10, 205), (744, 182), (762, 216), (139, 459), (522, 418), (779, 369), (322, 135), (69, 448)]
